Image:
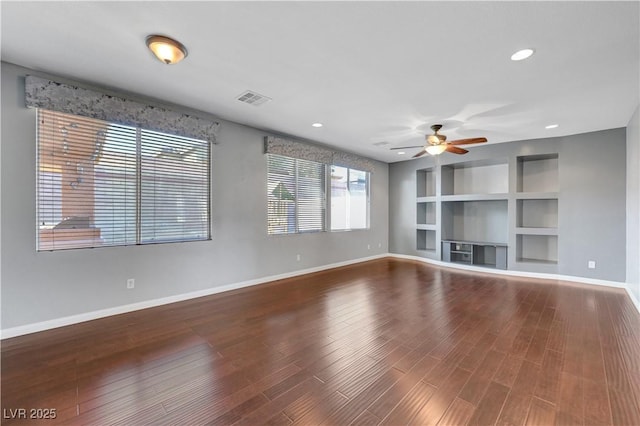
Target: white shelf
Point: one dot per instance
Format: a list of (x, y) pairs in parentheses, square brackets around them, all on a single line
[(431, 199), (426, 226), (537, 195), (536, 231), (476, 197)]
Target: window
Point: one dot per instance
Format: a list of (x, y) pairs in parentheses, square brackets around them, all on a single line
[(296, 195), (106, 184), (297, 201), (349, 199)]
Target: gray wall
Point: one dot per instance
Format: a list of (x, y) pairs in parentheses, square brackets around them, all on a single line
[(49, 285), (592, 200), (633, 204)]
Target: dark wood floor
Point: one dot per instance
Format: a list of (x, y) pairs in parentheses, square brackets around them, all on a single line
[(384, 342)]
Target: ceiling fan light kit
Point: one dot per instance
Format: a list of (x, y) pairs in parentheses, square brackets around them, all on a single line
[(436, 149), (437, 144)]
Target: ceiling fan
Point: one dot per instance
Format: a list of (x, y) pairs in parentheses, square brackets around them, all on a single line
[(437, 144)]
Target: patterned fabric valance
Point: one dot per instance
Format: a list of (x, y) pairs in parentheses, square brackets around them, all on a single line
[(51, 95), (288, 148)]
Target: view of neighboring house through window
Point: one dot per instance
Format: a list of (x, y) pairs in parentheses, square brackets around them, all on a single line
[(105, 184), (349, 199), (296, 195)]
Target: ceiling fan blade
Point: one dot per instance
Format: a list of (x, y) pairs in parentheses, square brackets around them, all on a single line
[(468, 141), (420, 154), (408, 147), (456, 150)]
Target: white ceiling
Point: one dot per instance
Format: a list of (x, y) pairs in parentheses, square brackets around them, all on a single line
[(370, 71)]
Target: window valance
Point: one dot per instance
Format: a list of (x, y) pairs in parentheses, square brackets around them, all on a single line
[(66, 98), (319, 154)]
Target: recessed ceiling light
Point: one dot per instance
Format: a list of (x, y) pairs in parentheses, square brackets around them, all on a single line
[(522, 54), (317, 124), (401, 152), (551, 126)]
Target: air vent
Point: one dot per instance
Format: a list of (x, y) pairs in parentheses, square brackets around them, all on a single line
[(253, 98), (383, 143)]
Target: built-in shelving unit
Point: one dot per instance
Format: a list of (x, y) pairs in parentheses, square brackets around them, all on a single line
[(457, 252), (475, 253), (471, 212), (537, 216), (541, 249), (426, 211), (478, 178), (538, 173), (426, 183), (475, 221), (537, 209), (426, 240), (474, 206)]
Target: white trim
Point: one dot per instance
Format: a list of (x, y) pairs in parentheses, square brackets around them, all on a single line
[(102, 313), (570, 278), (88, 316), (509, 272), (633, 298)]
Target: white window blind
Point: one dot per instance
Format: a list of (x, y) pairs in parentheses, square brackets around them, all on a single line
[(296, 195), (174, 196), (104, 184), (349, 199)]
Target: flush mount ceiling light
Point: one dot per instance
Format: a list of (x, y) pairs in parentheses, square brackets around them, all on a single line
[(401, 152), (522, 54), (551, 126), (317, 124), (166, 49)]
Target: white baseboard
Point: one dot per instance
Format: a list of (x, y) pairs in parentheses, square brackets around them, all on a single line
[(509, 272), (524, 274), (635, 301), (102, 313)]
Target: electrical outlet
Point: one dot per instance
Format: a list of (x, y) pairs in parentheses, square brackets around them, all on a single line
[(592, 264), (368, 246), (298, 258), (131, 283), (379, 245)]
